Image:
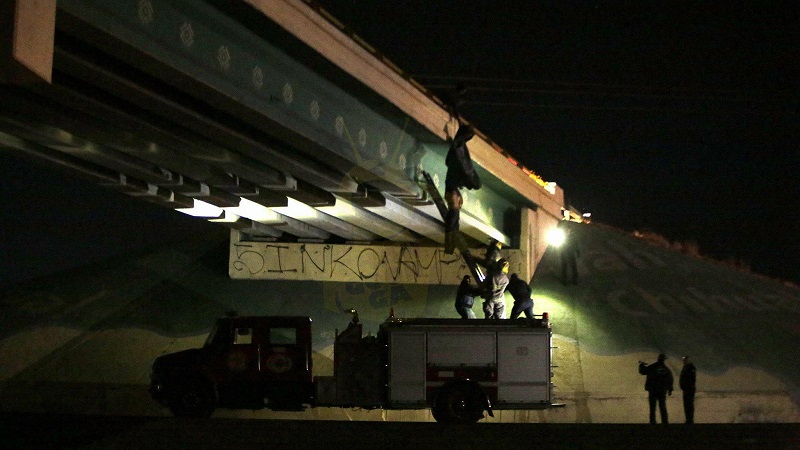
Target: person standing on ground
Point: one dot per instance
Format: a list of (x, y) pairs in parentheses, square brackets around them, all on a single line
[(521, 291), (687, 382), (465, 298), (569, 259), (658, 384), (495, 290)]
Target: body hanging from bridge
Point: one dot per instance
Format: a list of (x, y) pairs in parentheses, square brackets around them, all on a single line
[(460, 174)]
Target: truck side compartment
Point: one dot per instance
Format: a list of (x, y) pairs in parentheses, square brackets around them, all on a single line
[(442, 364)]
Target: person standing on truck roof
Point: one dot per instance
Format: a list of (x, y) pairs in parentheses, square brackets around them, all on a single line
[(495, 290), (465, 298), (521, 291), (657, 384), (460, 174), (688, 382), (492, 255)]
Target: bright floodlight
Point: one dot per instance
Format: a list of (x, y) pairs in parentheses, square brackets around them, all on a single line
[(556, 237)]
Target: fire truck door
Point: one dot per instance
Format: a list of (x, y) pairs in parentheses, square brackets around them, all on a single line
[(281, 356), (523, 368), (243, 360)]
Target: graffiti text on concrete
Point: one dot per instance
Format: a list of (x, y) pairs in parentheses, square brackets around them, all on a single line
[(346, 263)]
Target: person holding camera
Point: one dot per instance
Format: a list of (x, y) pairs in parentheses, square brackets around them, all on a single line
[(658, 384)]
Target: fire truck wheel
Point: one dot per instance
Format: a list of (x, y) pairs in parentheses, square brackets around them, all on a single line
[(192, 399), (459, 403)]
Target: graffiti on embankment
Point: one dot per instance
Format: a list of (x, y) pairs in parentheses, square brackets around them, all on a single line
[(642, 302), (637, 281)]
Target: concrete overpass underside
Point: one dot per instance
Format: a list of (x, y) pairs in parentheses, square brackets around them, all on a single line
[(266, 117)]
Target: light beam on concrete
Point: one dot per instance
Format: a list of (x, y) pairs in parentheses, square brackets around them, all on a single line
[(361, 217), (302, 212)]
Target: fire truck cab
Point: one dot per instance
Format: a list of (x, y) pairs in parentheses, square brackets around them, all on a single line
[(245, 361)]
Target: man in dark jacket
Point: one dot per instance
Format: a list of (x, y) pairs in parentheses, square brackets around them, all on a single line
[(687, 383), (658, 384), (465, 297), (521, 291)]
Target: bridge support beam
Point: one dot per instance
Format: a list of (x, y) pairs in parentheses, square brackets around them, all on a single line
[(534, 224), (27, 35)]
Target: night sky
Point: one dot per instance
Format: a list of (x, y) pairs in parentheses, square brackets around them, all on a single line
[(676, 117)]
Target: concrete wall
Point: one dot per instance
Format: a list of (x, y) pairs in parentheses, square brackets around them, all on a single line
[(534, 226), (249, 260), (353, 263), (27, 34)]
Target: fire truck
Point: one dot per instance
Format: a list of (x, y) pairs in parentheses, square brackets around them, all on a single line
[(458, 368)]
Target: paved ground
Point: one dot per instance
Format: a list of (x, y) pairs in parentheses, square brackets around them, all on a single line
[(78, 431)]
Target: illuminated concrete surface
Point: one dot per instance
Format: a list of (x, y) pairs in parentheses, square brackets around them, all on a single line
[(635, 300), (82, 342)]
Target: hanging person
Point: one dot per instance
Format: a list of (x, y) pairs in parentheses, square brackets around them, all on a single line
[(460, 174)]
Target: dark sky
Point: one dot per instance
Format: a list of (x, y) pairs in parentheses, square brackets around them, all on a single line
[(677, 117)]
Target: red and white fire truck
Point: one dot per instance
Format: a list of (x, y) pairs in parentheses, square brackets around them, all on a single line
[(459, 368)]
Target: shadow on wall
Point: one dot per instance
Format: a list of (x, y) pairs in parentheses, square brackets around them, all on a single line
[(84, 341), (53, 222), (180, 290)]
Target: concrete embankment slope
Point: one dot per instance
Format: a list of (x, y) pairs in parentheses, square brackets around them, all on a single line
[(82, 342), (635, 300)]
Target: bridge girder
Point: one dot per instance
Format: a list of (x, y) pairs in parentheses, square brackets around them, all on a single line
[(179, 105)]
